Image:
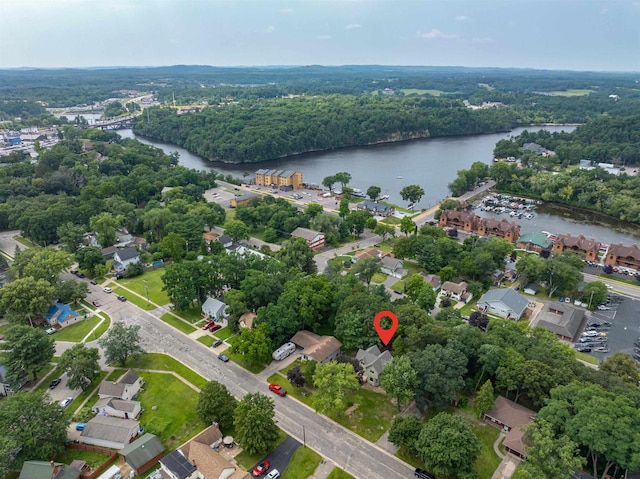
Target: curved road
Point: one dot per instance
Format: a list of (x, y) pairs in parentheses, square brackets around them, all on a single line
[(356, 455)]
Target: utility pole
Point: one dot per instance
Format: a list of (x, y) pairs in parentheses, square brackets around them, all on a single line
[(146, 287)]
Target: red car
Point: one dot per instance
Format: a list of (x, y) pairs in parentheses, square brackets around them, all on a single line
[(278, 390), (208, 325), (261, 468), (215, 327)]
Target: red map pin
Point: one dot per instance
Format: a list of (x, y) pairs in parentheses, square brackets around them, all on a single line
[(385, 334)]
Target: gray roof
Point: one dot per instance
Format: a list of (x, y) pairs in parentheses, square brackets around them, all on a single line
[(225, 239), (117, 404), (43, 470), (373, 358), (142, 450), (508, 297), (561, 318), (261, 171), (178, 464), (109, 388), (128, 378), (390, 262), (373, 206), (127, 253), (305, 233), (109, 428)]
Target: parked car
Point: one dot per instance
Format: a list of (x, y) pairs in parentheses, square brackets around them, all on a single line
[(122, 298), (422, 474), (602, 307), (107, 290), (95, 303), (273, 474), (260, 469), (80, 426), (80, 274), (583, 349), (276, 388), (223, 358), (53, 384), (207, 325), (93, 282), (50, 330), (215, 327), (66, 401), (119, 275), (216, 343)]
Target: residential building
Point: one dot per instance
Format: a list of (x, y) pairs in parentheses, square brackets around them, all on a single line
[(48, 470), (216, 310), (61, 315), (531, 288), (536, 241), (5, 387), (561, 319), (393, 267), (243, 200), (279, 178), (176, 466), (115, 407), (377, 209), (111, 432), (462, 220), (537, 149), (125, 387), (143, 453), (503, 302), (588, 249), (625, 256), (124, 257), (511, 417), (433, 279), (372, 362), (454, 290), (315, 239), (226, 241), (321, 349), (502, 229), (366, 253)]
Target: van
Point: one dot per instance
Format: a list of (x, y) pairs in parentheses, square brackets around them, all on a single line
[(284, 351)]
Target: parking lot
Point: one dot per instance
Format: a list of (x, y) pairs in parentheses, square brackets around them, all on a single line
[(624, 316)]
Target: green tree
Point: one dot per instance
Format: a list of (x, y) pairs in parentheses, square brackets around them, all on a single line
[(485, 399), (254, 345), (42, 263), (412, 193), (121, 342), (405, 430), (105, 225), (313, 209), (26, 297), (332, 382), (174, 246), (216, 404), (595, 293), (407, 225), (88, 258), (384, 230), (33, 423), (343, 178), (237, 230), (398, 379), (448, 446), (256, 431), (295, 253), (27, 350), (343, 209), (71, 236), (622, 365), (366, 268), (81, 365), (329, 181), (373, 192)]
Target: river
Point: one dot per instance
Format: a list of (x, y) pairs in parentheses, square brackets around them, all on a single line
[(431, 163)]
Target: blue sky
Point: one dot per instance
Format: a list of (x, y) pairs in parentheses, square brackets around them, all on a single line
[(554, 34)]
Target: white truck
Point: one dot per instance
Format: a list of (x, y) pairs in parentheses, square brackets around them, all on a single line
[(283, 351)]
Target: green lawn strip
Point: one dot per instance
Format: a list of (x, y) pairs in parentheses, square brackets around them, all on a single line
[(277, 378), (469, 308), (162, 362), (303, 464), (115, 374), (24, 241), (410, 458), (100, 330), (154, 281), (240, 361), (139, 302), (177, 323), (206, 340), (297, 362), (247, 461), (76, 332), (223, 333), (93, 459), (85, 394), (339, 474), (614, 279), (47, 374), (379, 278), (399, 285), (587, 358), (391, 220), (412, 268), (488, 461), (175, 420), (192, 315)]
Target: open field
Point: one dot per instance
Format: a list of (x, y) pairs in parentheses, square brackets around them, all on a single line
[(154, 281), (162, 362), (339, 474), (76, 332), (417, 91), (571, 92), (180, 325)]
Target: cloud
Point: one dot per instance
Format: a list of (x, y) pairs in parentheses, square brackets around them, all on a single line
[(286, 10), (462, 18), (325, 37), (482, 40), (435, 33), (269, 29), (353, 26)]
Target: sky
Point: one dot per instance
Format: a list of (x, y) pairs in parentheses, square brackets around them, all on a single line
[(555, 34)]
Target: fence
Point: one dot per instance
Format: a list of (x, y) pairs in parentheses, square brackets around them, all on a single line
[(113, 456)]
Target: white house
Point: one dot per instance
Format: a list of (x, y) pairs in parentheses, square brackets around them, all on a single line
[(111, 432), (216, 310), (314, 239), (372, 362), (503, 302), (126, 387), (124, 257), (454, 290), (393, 267), (117, 407)]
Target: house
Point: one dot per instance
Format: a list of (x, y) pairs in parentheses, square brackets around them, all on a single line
[(589, 249), (125, 387), (503, 302), (48, 470), (216, 310), (433, 279), (366, 253), (535, 148), (511, 417), (314, 239), (246, 320), (226, 241), (123, 238), (243, 200), (625, 256), (561, 319), (536, 241), (117, 408), (5, 387), (279, 178), (176, 466), (124, 257), (502, 229), (61, 315), (322, 349), (108, 252), (454, 290), (111, 432), (531, 288), (393, 267), (458, 219), (376, 209), (143, 453), (372, 362)]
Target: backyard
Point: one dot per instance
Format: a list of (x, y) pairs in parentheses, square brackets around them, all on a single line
[(152, 279)]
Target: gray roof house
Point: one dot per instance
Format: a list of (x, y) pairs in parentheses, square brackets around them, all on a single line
[(504, 302), (124, 257), (393, 267), (176, 466), (215, 309), (561, 319), (376, 209), (110, 406), (372, 362), (226, 241), (48, 470), (143, 453), (125, 387), (112, 432)]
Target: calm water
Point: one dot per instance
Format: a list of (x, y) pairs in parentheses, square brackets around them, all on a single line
[(431, 163)]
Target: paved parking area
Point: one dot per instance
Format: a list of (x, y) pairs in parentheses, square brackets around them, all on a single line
[(62, 391), (281, 456)]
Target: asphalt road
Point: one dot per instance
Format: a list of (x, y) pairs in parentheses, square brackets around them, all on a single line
[(281, 456), (357, 456)]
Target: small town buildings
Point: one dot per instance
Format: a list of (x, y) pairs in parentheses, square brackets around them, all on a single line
[(279, 178), (433, 279), (376, 209), (321, 349), (124, 257), (511, 417), (455, 291), (48, 470), (625, 256), (143, 453), (366, 253), (176, 466), (536, 241), (531, 288), (537, 149), (315, 239), (61, 315), (111, 432), (392, 267), (588, 249), (125, 387), (502, 229), (462, 220), (117, 408), (226, 241), (243, 200), (503, 302), (215, 309), (372, 362), (561, 319)]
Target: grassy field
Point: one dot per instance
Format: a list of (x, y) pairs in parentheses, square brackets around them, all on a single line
[(302, 465), (93, 459), (24, 241), (192, 315), (486, 85), (175, 420), (153, 279), (180, 325), (76, 332), (379, 278), (586, 357), (240, 361), (247, 461), (417, 91), (139, 302), (339, 474), (224, 333), (4, 328), (206, 340), (570, 92), (162, 362)]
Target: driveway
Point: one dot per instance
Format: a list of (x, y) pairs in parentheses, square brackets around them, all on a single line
[(8, 244), (281, 456)]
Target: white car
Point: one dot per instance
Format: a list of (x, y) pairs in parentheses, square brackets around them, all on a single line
[(273, 474), (66, 401), (107, 290), (590, 333), (602, 307), (50, 330)]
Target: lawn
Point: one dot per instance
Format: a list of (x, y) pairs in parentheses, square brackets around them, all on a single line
[(154, 281), (417, 91), (4, 328), (93, 459), (192, 315), (488, 461), (24, 241), (162, 362), (240, 361), (247, 461), (391, 220), (379, 278), (100, 330), (206, 340), (84, 395), (76, 332), (174, 421), (569, 92), (303, 464), (339, 474), (586, 357), (179, 324), (224, 333), (139, 302)]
